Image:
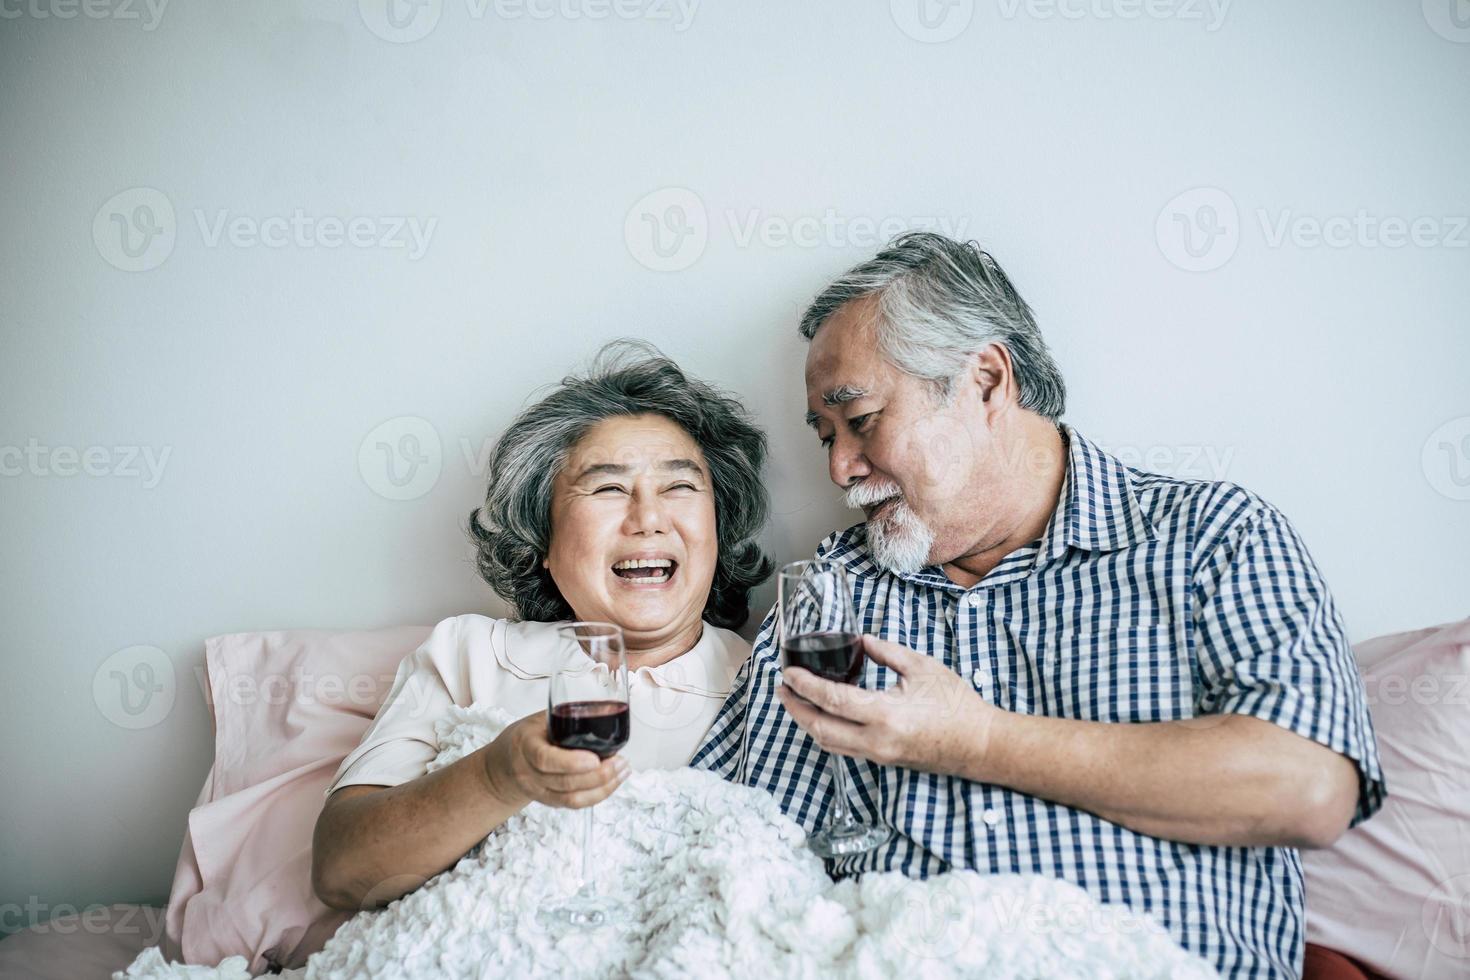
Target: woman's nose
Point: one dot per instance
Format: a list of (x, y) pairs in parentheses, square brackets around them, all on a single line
[(646, 514)]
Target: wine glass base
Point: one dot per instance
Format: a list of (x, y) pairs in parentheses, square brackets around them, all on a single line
[(856, 838), (580, 912)]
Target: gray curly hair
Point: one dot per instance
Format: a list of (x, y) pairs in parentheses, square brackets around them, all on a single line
[(940, 300), (512, 531)]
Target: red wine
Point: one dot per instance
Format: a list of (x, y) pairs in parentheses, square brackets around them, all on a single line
[(598, 726), (835, 656)]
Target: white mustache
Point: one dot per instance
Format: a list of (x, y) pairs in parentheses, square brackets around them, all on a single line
[(866, 494)]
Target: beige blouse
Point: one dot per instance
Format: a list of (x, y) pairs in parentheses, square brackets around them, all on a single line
[(474, 659)]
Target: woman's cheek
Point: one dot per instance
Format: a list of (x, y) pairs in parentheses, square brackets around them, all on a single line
[(701, 538)]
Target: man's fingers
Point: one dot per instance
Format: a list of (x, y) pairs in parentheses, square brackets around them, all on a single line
[(891, 655), (843, 700), (830, 732)]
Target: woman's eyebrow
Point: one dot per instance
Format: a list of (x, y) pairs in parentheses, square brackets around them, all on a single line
[(618, 469), (602, 469)]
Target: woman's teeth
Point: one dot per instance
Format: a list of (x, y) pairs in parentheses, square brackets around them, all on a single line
[(646, 571)]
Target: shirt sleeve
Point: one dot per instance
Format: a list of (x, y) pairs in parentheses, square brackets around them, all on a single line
[(400, 743), (1271, 645)]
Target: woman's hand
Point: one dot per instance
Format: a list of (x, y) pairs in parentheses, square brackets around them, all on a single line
[(522, 765)]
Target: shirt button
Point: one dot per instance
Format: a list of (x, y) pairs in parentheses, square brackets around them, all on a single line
[(990, 817), (973, 599), (980, 677)]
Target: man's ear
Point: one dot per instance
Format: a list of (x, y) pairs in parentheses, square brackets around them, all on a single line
[(992, 373)]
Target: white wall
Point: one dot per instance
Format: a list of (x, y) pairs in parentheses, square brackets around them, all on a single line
[(1317, 375)]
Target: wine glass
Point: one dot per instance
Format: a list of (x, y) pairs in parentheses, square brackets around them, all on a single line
[(817, 629), (587, 709)]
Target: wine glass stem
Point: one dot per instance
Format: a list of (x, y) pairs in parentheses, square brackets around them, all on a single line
[(586, 886), (838, 815)]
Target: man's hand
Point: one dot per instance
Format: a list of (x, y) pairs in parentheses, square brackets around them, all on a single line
[(932, 719), (523, 764)]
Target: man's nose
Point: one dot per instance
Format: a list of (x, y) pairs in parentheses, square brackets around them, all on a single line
[(846, 464)]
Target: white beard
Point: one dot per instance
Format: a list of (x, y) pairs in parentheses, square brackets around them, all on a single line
[(898, 540)]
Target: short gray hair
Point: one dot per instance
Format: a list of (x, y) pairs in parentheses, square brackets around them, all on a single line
[(939, 301), (512, 531)]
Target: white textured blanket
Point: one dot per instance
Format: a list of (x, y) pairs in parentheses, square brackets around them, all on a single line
[(719, 883)]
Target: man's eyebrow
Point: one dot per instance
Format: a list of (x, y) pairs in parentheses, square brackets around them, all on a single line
[(840, 395)]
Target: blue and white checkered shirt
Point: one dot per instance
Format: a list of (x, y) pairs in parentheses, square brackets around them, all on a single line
[(1146, 599)]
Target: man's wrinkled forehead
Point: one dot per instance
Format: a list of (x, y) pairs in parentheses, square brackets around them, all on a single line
[(842, 362)]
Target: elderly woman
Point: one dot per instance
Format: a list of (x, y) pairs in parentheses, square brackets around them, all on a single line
[(632, 496)]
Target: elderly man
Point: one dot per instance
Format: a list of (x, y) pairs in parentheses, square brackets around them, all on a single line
[(1134, 682)]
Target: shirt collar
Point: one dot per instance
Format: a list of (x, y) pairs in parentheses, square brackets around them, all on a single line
[(708, 668), (1098, 509)]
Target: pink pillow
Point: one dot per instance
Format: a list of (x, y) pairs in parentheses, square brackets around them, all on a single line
[(288, 707), (1394, 892)]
